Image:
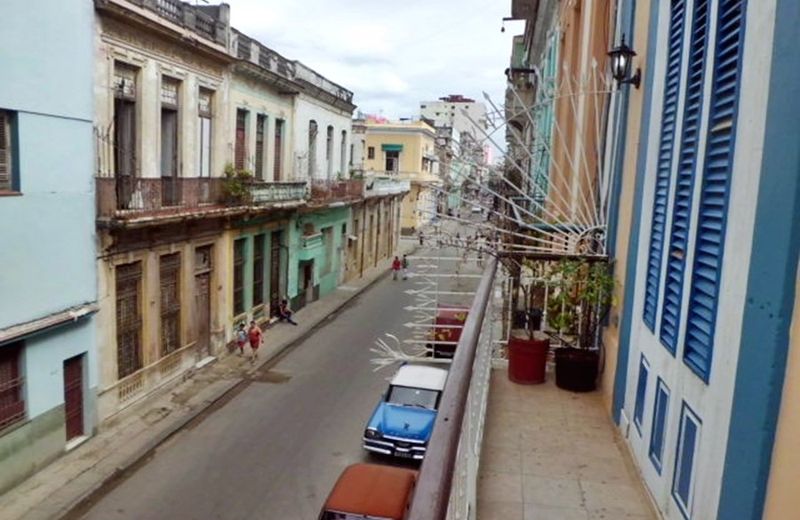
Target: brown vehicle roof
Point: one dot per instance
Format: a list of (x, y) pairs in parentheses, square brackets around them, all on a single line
[(372, 490)]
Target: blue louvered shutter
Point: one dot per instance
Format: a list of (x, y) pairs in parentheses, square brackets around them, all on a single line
[(669, 115), (713, 204), (684, 182)]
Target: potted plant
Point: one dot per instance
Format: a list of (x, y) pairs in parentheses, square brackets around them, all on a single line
[(576, 310), (236, 185)]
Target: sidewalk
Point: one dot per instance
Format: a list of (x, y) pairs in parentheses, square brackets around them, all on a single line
[(134, 436), (549, 454)]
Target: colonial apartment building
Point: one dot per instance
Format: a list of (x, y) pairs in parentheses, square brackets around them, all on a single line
[(406, 150), (206, 215)]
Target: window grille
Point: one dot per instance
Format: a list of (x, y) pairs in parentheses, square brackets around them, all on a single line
[(169, 92), (669, 115), (5, 151), (129, 318), (258, 270), (169, 276), (238, 277), (125, 81), (12, 402)]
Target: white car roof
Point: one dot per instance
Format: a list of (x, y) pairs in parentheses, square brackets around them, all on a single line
[(420, 376)]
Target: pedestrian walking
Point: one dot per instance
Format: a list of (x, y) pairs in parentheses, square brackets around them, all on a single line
[(421, 239), (241, 338), (285, 313), (404, 265), (396, 265), (255, 336)]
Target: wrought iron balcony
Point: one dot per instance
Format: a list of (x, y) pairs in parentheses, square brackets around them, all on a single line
[(130, 198), (282, 192), (325, 191)]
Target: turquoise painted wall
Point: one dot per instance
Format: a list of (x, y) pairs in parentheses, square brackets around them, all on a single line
[(248, 234), (318, 250), (48, 232)]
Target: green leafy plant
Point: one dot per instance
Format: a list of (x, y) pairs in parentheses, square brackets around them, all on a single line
[(236, 184), (580, 299)]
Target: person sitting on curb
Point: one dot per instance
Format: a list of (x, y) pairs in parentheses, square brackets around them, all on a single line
[(285, 313)]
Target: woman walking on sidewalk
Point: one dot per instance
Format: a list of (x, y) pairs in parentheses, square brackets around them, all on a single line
[(404, 264), (395, 267), (255, 336)]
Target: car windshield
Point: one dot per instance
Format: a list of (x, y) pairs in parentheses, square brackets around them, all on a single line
[(418, 397)]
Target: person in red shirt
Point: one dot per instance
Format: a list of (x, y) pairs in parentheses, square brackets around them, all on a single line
[(255, 336), (396, 265)]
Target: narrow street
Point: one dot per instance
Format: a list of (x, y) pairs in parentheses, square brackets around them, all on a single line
[(275, 449)]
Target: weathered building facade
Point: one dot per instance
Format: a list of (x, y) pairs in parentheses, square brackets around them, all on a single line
[(406, 151), (161, 102)]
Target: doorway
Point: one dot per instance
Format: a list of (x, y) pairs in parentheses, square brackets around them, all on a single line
[(202, 299), (73, 397), (275, 272)]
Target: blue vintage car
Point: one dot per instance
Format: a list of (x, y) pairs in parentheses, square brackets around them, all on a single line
[(402, 423)]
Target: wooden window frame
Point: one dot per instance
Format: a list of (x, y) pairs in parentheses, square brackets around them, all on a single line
[(12, 397), (170, 302), (238, 276), (259, 243)]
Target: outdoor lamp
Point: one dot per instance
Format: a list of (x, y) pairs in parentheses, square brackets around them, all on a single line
[(621, 58)]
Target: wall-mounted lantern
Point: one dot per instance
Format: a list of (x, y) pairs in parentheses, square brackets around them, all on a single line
[(621, 59)]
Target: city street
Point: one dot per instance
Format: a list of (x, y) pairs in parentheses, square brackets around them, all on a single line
[(275, 449)]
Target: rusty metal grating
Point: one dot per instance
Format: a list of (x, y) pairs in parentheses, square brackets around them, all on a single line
[(238, 277), (258, 269), (169, 271), (129, 318)]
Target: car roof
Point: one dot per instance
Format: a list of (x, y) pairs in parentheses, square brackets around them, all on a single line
[(372, 490), (420, 376)]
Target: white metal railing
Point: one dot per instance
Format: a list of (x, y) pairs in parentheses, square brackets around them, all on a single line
[(463, 494)]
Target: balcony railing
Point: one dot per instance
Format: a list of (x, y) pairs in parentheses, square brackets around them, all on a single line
[(133, 197), (383, 186), (264, 193), (190, 17), (446, 487), (325, 191)]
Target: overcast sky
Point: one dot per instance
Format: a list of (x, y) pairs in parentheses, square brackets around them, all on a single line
[(391, 54)]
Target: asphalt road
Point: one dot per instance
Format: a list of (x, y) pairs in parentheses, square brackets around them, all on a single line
[(275, 450)]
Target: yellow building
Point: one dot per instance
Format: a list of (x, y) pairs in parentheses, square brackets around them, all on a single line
[(406, 150)]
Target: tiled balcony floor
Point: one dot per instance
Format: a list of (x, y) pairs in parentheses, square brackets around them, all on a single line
[(549, 454)]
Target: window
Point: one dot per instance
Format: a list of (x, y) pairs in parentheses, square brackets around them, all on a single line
[(664, 165), (327, 238), (204, 131), (278, 148), (125, 160), (329, 151), (641, 393), (392, 161), (312, 148), (660, 406), (238, 277), (6, 165), (688, 441), (169, 276), (343, 153), (684, 183), (258, 270), (371, 152), (240, 146), (169, 141), (129, 318), (261, 123), (713, 204), (12, 400)]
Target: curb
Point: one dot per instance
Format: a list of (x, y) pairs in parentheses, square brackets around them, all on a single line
[(75, 506)]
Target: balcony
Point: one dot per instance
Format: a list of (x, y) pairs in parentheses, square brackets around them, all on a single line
[(133, 198), (385, 186), (326, 192), (282, 193)]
